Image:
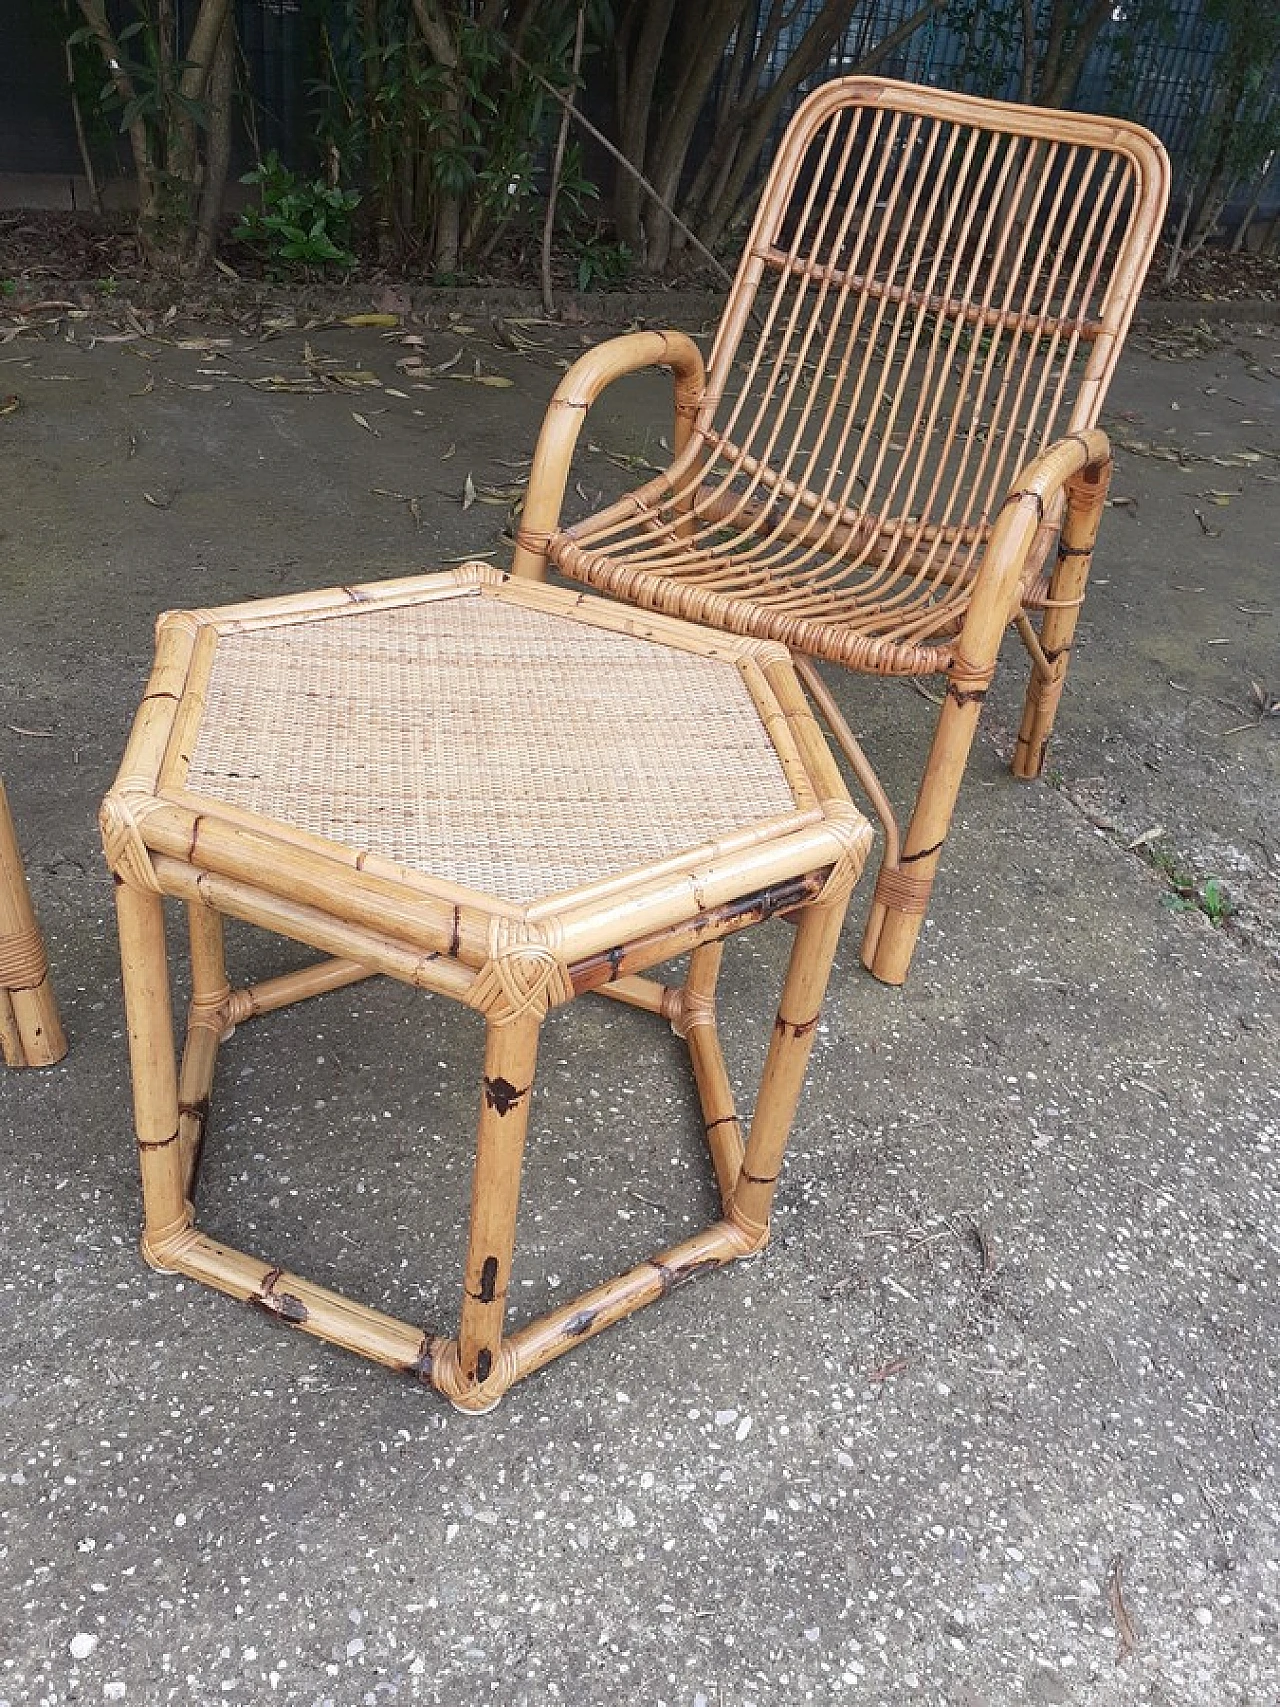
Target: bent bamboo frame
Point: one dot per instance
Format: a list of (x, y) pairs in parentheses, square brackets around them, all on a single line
[(511, 963), (942, 286), (31, 1032)]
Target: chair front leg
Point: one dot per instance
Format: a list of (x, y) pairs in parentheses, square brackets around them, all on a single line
[(902, 890), (1086, 496)]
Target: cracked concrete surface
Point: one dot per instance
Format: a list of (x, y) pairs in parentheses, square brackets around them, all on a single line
[(994, 1420)]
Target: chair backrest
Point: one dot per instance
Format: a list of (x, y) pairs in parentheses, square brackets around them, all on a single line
[(935, 287)]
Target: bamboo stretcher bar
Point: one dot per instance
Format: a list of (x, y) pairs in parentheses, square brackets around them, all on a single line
[(321, 931), (273, 993), (646, 993)]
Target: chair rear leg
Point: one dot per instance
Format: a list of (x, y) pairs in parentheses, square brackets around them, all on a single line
[(1086, 495)]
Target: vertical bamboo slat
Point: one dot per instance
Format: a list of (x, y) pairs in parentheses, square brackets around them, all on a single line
[(31, 1032)]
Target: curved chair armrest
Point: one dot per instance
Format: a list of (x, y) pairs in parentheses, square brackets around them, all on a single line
[(567, 411), (1029, 501)]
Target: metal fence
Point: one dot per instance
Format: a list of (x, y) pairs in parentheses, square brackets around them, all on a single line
[(1153, 61), (1154, 64)]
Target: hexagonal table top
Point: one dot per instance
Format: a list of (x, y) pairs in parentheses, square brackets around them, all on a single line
[(514, 751)]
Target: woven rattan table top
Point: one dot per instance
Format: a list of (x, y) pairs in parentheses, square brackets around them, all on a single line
[(505, 749)]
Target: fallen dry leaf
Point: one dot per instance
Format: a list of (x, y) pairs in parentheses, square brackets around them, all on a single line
[(497, 380), (1119, 1611), (282, 382)]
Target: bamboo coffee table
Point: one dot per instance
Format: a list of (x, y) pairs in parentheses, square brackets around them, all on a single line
[(504, 793)]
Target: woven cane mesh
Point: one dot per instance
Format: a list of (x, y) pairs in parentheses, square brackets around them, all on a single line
[(513, 752)]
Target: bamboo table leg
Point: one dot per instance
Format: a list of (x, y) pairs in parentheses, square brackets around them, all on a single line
[(166, 1215), (481, 1375), (31, 1032), (812, 953), (207, 1027), (697, 1025)]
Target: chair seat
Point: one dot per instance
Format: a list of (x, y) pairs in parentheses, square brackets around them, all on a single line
[(820, 610)]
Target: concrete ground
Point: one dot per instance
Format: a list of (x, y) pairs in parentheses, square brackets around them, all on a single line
[(995, 1418)]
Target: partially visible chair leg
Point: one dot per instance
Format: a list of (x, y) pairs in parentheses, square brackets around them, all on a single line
[(905, 878), (851, 747), (902, 892), (1086, 496), (31, 1032)]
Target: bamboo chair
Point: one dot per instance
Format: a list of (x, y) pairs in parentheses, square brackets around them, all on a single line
[(30, 1031), (897, 425)]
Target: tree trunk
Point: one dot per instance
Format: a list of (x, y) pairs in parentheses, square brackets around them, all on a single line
[(1061, 69), (557, 166), (1177, 254), (757, 120), (144, 165), (1027, 76), (699, 51), (446, 241), (184, 156), (646, 25), (218, 147)]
